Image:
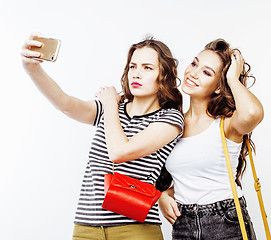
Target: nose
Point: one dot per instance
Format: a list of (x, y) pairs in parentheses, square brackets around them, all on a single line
[(194, 73), (137, 75)]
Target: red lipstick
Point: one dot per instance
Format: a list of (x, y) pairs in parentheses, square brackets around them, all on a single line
[(135, 84), (190, 83)]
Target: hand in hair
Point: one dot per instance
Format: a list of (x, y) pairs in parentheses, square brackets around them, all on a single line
[(236, 67)]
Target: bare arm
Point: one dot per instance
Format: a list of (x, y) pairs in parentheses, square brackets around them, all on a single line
[(83, 111), (249, 111), (122, 149), (168, 205)]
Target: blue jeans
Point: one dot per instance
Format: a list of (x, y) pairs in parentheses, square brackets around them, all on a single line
[(214, 221)]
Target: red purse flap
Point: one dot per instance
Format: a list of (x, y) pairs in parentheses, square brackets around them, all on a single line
[(132, 184)]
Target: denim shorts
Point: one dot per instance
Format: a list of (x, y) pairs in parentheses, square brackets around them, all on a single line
[(214, 221)]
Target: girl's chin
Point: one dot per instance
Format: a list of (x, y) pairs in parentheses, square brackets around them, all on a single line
[(185, 89)]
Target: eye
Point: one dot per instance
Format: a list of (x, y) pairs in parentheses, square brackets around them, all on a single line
[(148, 68), (207, 73), (131, 66), (193, 64)]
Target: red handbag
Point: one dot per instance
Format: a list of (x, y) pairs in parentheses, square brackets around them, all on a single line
[(129, 196)]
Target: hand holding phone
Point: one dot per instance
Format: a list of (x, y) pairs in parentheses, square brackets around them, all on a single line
[(49, 48)]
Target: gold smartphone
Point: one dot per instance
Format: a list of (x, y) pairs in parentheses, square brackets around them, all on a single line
[(49, 50)]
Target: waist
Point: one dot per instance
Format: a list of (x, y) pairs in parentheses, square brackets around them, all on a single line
[(212, 208), (203, 190)]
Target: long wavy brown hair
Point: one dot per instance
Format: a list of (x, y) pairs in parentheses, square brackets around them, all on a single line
[(168, 93), (221, 105)]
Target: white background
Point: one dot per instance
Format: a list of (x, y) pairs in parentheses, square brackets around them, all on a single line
[(43, 154)]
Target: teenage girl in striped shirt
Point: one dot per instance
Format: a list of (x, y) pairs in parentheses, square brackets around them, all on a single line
[(130, 134)]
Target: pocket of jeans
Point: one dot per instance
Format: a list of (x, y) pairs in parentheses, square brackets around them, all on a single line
[(231, 215), (178, 218)]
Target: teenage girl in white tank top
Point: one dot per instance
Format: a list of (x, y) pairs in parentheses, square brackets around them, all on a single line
[(202, 206)]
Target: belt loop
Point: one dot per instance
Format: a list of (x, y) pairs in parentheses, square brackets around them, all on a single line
[(103, 236), (219, 207)]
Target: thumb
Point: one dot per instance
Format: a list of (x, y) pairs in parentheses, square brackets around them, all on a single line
[(176, 209)]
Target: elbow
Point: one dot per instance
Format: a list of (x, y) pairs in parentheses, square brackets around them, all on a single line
[(121, 152), (255, 114), (116, 160), (252, 117), (116, 157), (119, 156), (261, 114), (63, 103), (64, 107)]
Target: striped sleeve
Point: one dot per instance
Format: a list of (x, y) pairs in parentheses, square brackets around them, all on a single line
[(99, 113), (173, 117)]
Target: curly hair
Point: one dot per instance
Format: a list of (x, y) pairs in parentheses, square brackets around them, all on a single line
[(222, 104), (168, 93)]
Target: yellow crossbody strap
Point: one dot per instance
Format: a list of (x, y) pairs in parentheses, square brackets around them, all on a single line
[(233, 186), (257, 186)]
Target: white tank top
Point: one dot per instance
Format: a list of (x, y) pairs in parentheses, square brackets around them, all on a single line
[(198, 167)]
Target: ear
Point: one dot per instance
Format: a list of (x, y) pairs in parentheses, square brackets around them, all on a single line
[(217, 91)]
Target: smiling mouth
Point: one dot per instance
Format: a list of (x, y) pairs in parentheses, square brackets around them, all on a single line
[(135, 84), (190, 82)]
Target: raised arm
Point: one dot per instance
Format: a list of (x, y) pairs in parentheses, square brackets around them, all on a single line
[(249, 111), (82, 111), (122, 149)]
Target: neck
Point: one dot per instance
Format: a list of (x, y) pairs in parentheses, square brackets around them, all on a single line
[(142, 106), (196, 118), (197, 109)]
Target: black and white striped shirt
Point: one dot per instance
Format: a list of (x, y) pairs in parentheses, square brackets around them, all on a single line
[(90, 211)]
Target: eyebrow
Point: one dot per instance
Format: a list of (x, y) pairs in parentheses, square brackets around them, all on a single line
[(206, 66), (144, 64)]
